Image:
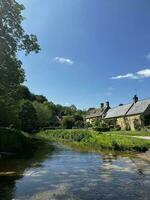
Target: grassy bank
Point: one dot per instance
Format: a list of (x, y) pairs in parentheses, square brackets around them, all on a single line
[(96, 140), (13, 141), (130, 133)]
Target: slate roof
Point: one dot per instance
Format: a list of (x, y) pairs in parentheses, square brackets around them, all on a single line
[(96, 112), (118, 111), (128, 109), (139, 107)]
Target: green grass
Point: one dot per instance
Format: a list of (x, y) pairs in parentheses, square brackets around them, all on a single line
[(93, 139), (12, 140), (130, 133)]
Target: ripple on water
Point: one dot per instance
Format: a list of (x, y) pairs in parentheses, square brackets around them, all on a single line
[(70, 174)]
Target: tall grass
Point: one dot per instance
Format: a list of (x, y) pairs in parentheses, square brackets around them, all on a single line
[(96, 140), (130, 133)]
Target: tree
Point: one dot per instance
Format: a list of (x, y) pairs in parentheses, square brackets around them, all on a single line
[(23, 93), (78, 120), (9, 113), (68, 122), (27, 116), (40, 98), (45, 115), (12, 39)]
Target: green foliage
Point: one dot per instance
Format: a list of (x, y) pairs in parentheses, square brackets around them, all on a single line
[(12, 140), (46, 116), (100, 125), (137, 124), (9, 113), (27, 116), (40, 98), (12, 39), (67, 122), (23, 93), (130, 133), (94, 140), (147, 120)]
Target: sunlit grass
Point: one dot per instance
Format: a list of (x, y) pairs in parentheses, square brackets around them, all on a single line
[(97, 140)]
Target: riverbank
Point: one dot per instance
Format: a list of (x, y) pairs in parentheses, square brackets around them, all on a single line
[(96, 140), (15, 141)]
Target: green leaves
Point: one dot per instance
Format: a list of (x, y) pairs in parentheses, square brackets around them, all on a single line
[(13, 38)]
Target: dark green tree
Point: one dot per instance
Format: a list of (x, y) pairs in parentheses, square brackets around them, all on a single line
[(46, 116), (13, 38), (68, 122), (40, 98), (23, 93), (28, 116)]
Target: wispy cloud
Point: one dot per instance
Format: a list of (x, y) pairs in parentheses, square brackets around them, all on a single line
[(145, 73), (126, 76), (62, 60)]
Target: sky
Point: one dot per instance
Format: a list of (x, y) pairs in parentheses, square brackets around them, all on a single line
[(92, 51)]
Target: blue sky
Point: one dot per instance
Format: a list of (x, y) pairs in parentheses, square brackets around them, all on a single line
[(92, 50)]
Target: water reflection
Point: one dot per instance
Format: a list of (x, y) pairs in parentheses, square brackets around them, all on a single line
[(70, 174), (14, 169)]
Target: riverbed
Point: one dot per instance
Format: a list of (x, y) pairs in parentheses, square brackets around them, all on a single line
[(64, 173)]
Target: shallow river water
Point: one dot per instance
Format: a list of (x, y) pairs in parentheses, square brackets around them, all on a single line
[(68, 174)]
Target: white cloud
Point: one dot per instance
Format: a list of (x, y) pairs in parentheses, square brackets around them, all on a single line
[(126, 76), (62, 60), (145, 73)]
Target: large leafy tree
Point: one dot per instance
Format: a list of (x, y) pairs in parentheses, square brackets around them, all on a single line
[(13, 39), (46, 116)]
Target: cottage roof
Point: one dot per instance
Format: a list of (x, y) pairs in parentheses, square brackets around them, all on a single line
[(118, 111), (128, 109), (96, 112), (139, 107)]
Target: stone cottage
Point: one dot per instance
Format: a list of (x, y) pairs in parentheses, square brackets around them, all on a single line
[(128, 116), (97, 113)]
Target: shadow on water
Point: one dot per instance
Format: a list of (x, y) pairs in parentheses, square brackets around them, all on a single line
[(72, 174), (13, 168)]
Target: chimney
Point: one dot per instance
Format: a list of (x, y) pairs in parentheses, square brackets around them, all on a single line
[(135, 99), (102, 105), (107, 104)]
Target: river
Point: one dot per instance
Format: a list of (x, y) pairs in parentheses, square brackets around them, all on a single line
[(68, 174)]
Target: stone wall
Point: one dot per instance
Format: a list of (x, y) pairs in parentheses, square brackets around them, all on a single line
[(89, 120), (130, 122)]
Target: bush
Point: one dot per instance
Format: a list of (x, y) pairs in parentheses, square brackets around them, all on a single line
[(12, 140), (68, 122), (101, 129), (117, 128)]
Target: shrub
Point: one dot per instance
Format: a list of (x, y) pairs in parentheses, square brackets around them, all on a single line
[(101, 129), (12, 140)]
